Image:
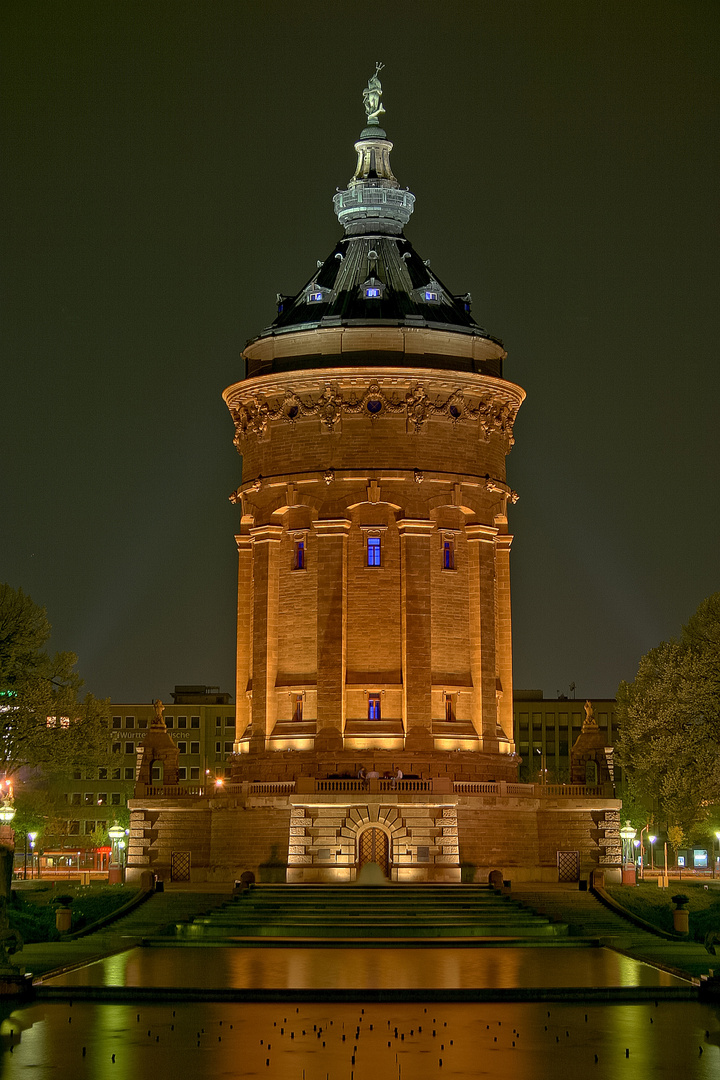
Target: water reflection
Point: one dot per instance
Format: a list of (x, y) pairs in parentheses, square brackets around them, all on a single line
[(374, 1042), (304, 968)]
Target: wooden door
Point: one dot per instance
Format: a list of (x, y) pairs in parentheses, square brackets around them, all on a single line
[(373, 847)]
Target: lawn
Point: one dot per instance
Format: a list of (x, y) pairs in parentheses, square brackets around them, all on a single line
[(32, 912), (653, 905)]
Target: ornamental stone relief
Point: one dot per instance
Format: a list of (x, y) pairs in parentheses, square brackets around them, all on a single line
[(491, 412)]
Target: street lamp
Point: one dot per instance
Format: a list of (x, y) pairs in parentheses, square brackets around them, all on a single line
[(31, 836), (652, 840), (627, 835), (7, 813), (116, 834)]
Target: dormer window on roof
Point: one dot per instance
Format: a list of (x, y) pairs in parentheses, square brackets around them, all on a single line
[(432, 293), (372, 289), (317, 294)]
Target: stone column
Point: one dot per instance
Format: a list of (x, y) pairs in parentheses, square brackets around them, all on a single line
[(243, 667), (504, 633), (331, 622), (415, 541), (481, 546), (265, 550)]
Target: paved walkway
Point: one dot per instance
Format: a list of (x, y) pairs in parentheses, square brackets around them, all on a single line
[(588, 917)]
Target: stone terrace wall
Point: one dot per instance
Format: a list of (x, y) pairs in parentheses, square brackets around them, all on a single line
[(521, 837)]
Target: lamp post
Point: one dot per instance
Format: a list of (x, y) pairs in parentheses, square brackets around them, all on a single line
[(715, 861), (627, 835), (31, 836), (117, 835), (652, 840)]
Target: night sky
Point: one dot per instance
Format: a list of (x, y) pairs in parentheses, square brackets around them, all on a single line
[(169, 167)]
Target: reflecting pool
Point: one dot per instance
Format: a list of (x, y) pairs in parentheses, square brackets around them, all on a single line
[(354, 1042), (366, 969)]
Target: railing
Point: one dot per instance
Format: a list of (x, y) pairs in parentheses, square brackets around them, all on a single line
[(567, 791), (268, 787), (308, 785)]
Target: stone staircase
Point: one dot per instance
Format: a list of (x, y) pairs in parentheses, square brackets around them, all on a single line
[(355, 912), (585, 916)]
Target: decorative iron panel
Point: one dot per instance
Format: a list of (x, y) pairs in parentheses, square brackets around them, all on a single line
[(568, 864), (180, 866)]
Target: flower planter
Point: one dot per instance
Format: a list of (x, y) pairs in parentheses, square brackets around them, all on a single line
[(63, 919), (681, 921)]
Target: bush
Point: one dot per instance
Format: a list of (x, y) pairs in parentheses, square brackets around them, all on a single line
[(34, 916)]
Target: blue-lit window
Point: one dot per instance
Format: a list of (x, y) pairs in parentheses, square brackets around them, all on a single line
[(373, 550), (448, 554), (430, 294), (373, 706), (299, 562), (315, 297), (372, 293)]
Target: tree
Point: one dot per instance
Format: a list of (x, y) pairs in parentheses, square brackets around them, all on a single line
[(669, 717), (42, 720)]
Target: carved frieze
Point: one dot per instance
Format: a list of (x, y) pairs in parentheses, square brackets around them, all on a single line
[(492, 409)]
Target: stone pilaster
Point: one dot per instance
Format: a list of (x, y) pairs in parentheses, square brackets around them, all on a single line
[(481, 546), (331, 622), (243, 668), (504, 633), (265, 550), (415, 591)]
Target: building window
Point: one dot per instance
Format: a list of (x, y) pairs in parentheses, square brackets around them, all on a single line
[(117, 721), (218, 721), (298, 708), (448, 554), (129, 774), (315, 297), (156, 772), (182, 773), (74, 828), (373, 706), (195, 774), (102, 774), (129, 747), (431, 295), (299, 556), (182, 748), (115, 774), (372, 292), (116, 748), (217, 747), (450, 706), (142, 722), (194, 747), (115, 799), (90, 774), (228, 748), (77, 773), (169, 722), (129, 721), (373, 551), (76, 798), (182, 721), (230, 721), (195, 721), (102, 798)]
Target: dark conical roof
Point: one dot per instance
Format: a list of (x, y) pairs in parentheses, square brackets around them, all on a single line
[(374, 280)]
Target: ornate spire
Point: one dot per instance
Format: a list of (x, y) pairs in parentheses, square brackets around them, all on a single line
[(373, 201)]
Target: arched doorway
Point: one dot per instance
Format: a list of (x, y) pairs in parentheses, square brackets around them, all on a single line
[(373, 846)]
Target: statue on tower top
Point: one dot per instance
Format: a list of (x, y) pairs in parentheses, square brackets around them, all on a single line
[(371, 96)]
